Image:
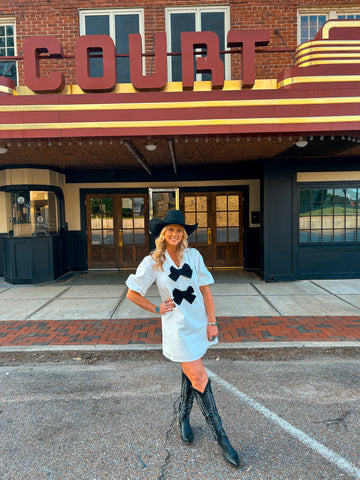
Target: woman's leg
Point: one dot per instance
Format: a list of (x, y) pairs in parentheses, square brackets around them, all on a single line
[(196, 373)]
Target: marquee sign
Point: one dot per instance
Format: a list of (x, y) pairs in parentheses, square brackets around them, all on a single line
[(307, 99), (86, 44)]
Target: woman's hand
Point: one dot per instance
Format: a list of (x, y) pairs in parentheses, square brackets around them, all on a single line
[(212, 332), (167, 306)]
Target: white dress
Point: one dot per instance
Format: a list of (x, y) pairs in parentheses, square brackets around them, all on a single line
[(184, 329)]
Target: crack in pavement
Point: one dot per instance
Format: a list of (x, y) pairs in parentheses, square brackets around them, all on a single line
[(165, 465)]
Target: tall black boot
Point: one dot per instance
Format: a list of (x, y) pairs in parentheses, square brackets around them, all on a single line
[(185, 406), (208, 408)]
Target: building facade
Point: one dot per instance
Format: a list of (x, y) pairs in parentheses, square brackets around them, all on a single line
[(244, 115)]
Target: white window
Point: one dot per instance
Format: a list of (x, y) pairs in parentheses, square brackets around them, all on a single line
[(197, 19), (118, 24), (8, 48), (311, 20)]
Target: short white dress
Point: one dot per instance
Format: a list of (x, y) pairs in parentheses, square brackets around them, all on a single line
[(184, 329)]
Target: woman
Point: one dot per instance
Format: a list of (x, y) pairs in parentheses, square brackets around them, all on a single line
[(188, 317)]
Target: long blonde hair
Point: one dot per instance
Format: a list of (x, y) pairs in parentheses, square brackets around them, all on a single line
[(159, 253)]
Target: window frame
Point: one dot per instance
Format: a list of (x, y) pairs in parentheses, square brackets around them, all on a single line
[(4, 21), (331, 14), (111, 12), (197, 11), (327, 186)]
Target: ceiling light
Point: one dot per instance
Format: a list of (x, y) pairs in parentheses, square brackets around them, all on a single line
[(151, 146), (301, 143), (3, 149)]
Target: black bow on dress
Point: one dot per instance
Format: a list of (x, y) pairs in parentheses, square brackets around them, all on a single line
[(176, 272), (179, 295)]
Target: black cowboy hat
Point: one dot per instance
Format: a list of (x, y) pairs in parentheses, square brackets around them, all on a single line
[(173, 217)]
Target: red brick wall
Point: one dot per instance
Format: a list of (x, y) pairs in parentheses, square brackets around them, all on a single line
[(39, 17)]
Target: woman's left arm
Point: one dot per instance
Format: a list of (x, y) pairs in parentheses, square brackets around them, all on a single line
[(212, 330)]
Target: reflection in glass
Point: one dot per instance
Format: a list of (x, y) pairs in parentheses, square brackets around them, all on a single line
[(316, 235), (139, 237), (96, 237), (221, 235), (190, 218), (108, 237), (339, 235), (128, 237), (233, 219), (328, 236), (34, 213), (189, 204), (202, 219), (201, 204), (202, 235), (233, 201), (233, 234), (221, 219), (221, 203)]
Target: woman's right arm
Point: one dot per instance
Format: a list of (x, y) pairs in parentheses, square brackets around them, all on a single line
[(142, 302)]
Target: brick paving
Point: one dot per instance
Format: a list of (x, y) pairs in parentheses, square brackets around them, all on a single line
[(148, 331)]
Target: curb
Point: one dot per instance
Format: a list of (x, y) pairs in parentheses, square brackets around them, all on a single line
[(223, 347)]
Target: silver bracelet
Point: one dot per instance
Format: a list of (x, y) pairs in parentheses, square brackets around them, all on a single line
[(213, 324)]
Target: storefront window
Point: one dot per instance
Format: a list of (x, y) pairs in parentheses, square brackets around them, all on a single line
[(34, 213), (329, 215)]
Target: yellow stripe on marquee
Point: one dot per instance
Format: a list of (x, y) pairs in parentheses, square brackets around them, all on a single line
[(182, 123), (194, 104)]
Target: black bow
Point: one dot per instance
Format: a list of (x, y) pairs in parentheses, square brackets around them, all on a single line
[(176, 272), (179, 295)]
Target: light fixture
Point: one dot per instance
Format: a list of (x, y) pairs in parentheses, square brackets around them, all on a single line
[(151, 146), (3, 149), (301, 142)]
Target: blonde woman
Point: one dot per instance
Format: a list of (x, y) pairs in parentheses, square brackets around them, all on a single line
[(187, 315)]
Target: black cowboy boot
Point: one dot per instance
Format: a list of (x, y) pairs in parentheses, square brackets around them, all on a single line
[(208, 408), (185, 406)]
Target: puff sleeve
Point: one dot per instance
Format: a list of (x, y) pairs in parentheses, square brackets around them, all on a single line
[(143, 278), (204, 276)]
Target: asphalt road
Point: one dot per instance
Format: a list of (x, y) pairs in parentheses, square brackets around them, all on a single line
[(84, 417)]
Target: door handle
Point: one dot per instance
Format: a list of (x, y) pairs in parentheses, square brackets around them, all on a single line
[(209, 236), (120, 238)]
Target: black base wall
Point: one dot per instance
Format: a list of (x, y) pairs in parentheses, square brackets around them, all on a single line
[(76, 250)]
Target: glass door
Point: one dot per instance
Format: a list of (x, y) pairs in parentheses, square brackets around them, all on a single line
[(133, 237), (227, 231), (101, 241)]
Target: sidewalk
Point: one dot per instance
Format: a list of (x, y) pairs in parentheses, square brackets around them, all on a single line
[(92, 309)]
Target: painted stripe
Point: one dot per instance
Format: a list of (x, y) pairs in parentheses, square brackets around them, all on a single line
[(309, 63), (7, 90), (336, 24), (181, 123), (324, 79), (302, 437), (177, 123), (325, 47), (195, 104)]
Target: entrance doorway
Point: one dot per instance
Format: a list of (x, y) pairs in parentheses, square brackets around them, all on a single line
[(117, 230), (219, 237)]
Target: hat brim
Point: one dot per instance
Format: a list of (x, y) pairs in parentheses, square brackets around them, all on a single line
[(156, 225)]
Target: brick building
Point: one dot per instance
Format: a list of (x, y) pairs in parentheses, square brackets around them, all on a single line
[(244, 115)]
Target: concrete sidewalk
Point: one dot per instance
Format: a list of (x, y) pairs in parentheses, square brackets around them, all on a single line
[(91, 308)]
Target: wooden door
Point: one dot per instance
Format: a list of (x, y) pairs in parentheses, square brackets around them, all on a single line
[(197, 209), (101, 231), (227, 229), (219, 237), (132, 222)]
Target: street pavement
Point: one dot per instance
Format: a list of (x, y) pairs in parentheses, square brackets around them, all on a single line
[(85, 393), (91, 417)]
